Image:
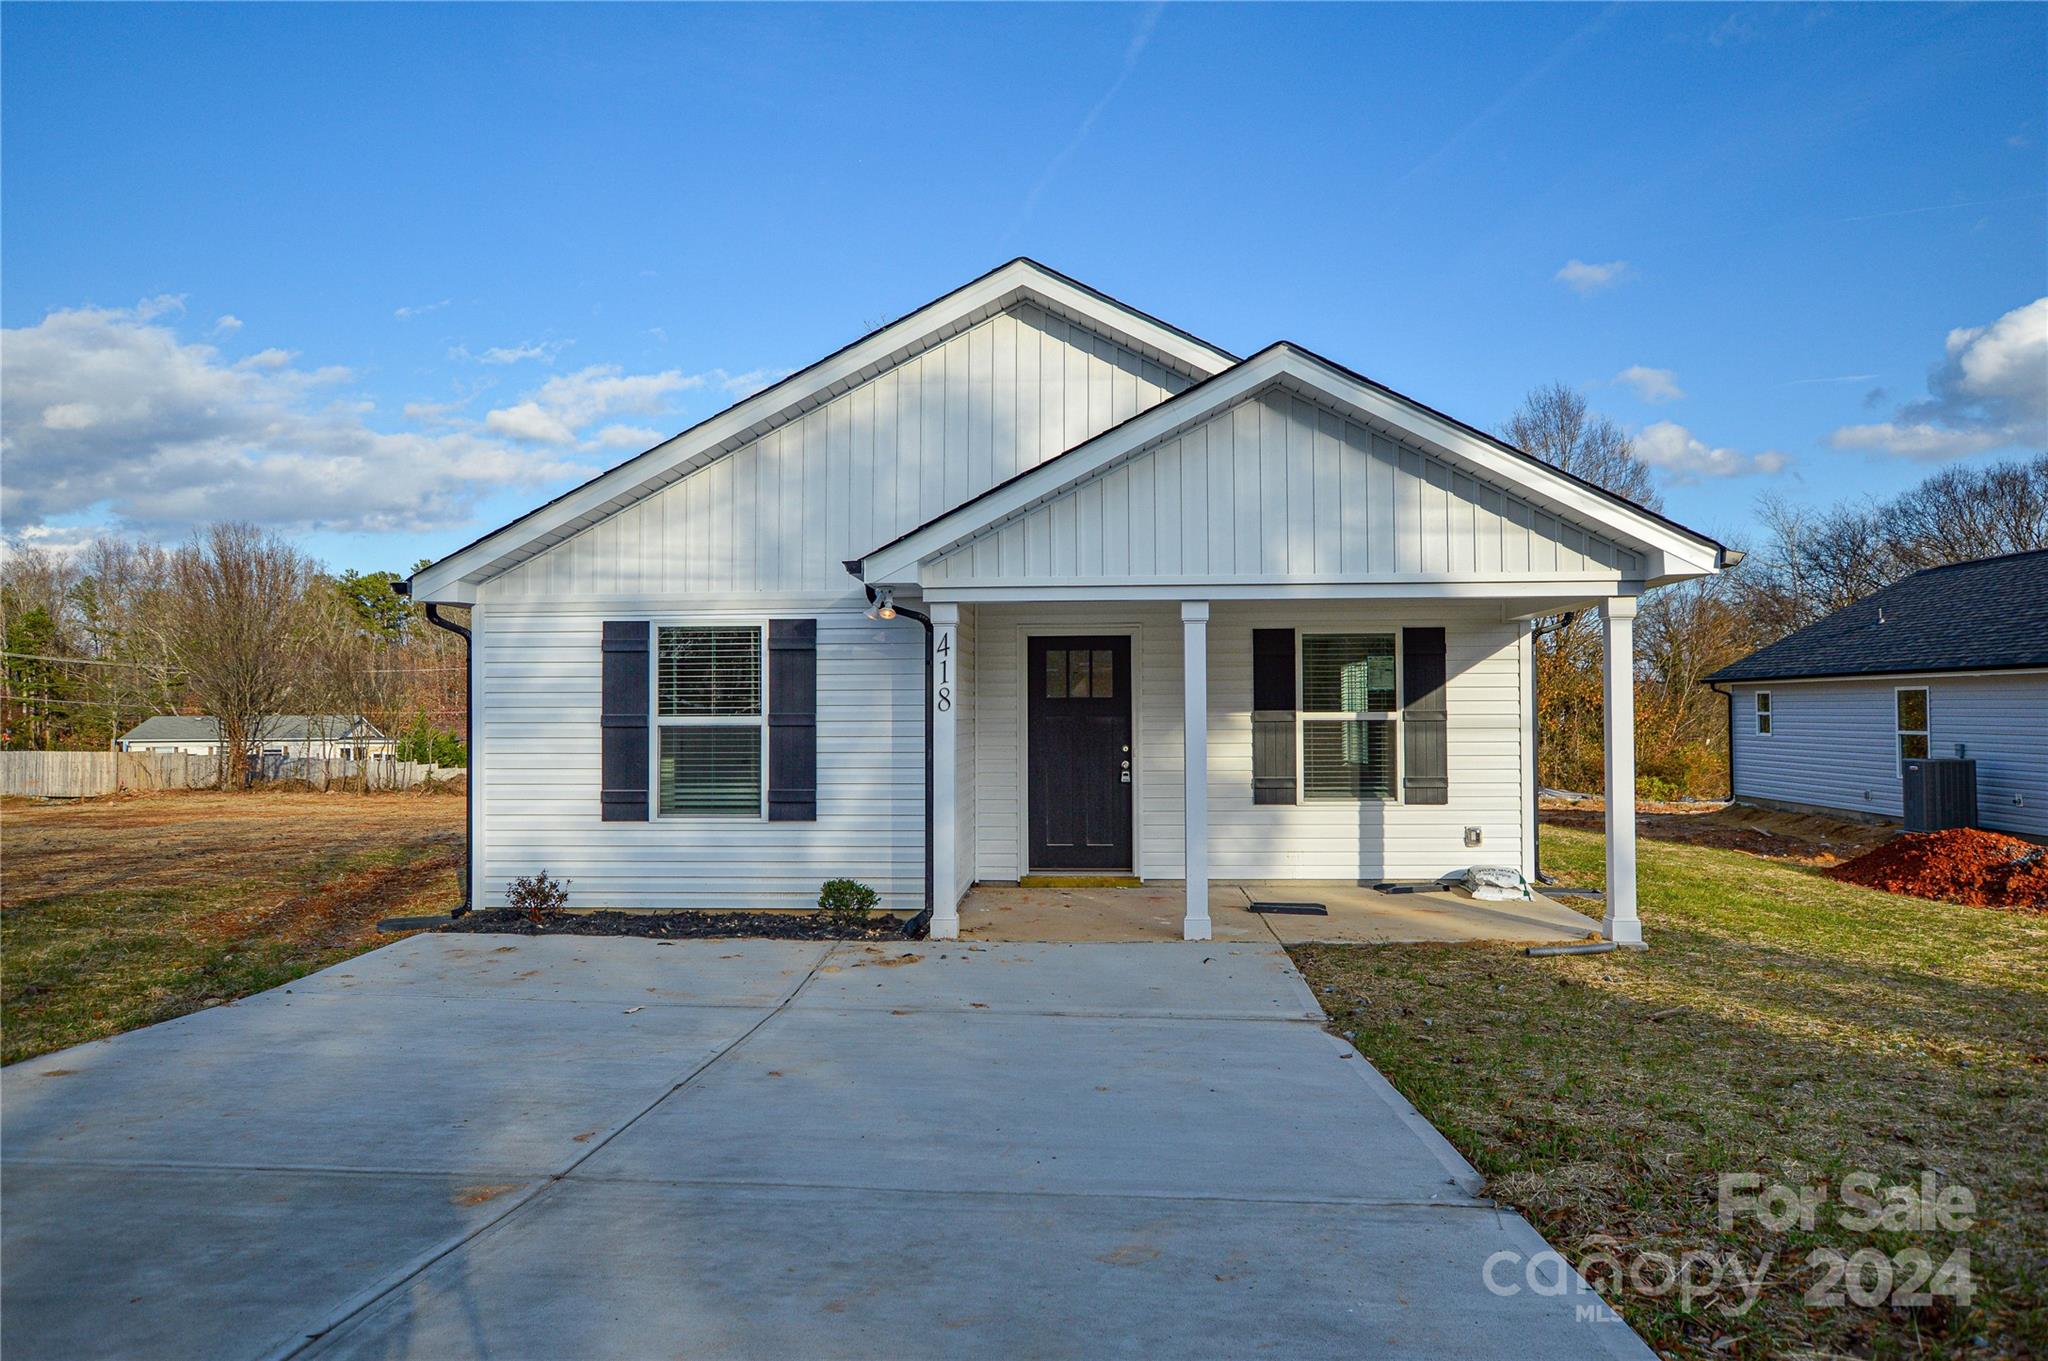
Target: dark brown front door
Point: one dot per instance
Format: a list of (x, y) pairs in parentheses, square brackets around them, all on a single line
[(1080, 759)]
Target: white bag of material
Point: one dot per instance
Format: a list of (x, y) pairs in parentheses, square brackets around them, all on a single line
[(1495, 883)]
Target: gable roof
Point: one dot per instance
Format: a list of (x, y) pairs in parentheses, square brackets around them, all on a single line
[(1673, 550), (280, 728), (1006, 286), (1987, 615)]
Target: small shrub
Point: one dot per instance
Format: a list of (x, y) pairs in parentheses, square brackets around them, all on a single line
[(1656, 789), (846, 903), (537, 895)]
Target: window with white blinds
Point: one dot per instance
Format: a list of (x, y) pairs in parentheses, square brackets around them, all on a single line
[(709, 729), (1349, 684)]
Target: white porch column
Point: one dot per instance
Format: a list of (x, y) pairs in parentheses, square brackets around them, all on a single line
[(1194, 633), (945, 848), (1618, 713)]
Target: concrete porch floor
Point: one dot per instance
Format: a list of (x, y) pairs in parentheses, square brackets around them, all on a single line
[(1006, 912)]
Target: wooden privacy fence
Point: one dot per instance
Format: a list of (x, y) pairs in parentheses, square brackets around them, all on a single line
[(88, 774)]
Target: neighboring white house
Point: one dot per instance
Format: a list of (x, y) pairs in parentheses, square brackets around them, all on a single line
[(331, 737), (1191, 617), (1952, 661)]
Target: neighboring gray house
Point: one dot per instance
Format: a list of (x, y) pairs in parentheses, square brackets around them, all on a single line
[(1191, 616), (1952, 661), (329, 737)]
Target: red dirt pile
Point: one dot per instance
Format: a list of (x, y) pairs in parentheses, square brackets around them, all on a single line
[(1961, 865)]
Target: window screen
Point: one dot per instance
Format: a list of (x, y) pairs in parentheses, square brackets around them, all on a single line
[(711, 768), (1347, 673), (708, 672), (1763, 713), (1912, 724), (708, 713), (1347, 758)]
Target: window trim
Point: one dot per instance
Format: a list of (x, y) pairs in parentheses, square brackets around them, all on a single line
[(656, 720), (1765, 710), (1302, 717), (1899, 734)]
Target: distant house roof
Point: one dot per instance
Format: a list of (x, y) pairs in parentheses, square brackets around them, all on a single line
[(282, 728), (1988, 615)]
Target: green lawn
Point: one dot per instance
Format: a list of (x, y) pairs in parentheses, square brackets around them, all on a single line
[(1780, 1024), (124, 912)]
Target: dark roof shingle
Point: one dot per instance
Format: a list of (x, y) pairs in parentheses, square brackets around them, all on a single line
[(1988, 615)]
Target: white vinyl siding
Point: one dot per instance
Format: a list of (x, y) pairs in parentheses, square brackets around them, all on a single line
[(1278, 488), (1319, 840), (782, 513), (1834, 744), (538, 682)]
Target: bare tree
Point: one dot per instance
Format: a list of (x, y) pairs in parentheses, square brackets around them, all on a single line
[(1815, 562), (241, 618), (1554, 423)]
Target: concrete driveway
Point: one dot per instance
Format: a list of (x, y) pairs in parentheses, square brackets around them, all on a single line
[(466, 1146)]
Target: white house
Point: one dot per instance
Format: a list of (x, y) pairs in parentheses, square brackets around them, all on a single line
[(332, 737), (1950, 662), (1191, 616)]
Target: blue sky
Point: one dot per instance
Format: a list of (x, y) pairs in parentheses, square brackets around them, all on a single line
[(387, 276)]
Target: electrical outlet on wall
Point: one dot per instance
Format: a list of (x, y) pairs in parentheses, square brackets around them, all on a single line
[(1473, 836)]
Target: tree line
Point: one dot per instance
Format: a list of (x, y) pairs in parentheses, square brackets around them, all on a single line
[(1804, 564), (237, 624)]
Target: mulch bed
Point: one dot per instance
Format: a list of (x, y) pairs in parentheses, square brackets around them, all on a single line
[(687, 925), (1962, 865)]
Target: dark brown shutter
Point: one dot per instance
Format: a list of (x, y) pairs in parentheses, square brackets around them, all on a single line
[(792, 720), (1273, 716), (1425, 757), (623, 782)]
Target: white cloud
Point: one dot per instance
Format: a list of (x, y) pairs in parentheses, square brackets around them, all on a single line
[(1990, 391), (743, 385), (407, 313), (542, 350), (1652, 385), (530, 421), (1675, 450), (555, 411), (1583, 278), (629, 437), (108, 413), (227, 324), (434, 413)]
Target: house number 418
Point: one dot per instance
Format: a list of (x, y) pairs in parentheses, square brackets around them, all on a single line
[(942, 661)]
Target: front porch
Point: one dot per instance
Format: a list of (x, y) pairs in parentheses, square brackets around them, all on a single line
[(1357, 915), (1436, 768)]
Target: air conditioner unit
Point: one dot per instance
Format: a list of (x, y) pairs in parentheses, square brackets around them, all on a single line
[(1941, 791)]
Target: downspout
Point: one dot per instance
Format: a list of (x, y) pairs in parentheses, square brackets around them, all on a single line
[(853, 568), (1536, 748), (1729, 696), (404, 588)]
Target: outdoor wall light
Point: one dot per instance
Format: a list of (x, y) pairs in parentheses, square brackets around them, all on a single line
[(884, 606)]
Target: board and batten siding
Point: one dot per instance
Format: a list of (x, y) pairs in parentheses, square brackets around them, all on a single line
[(538, 684), (1278, 487), (784, 512), (1488, 746), (1833, 744)]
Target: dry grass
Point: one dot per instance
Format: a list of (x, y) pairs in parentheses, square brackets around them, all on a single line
[(1780, 1024), (121, 912)]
